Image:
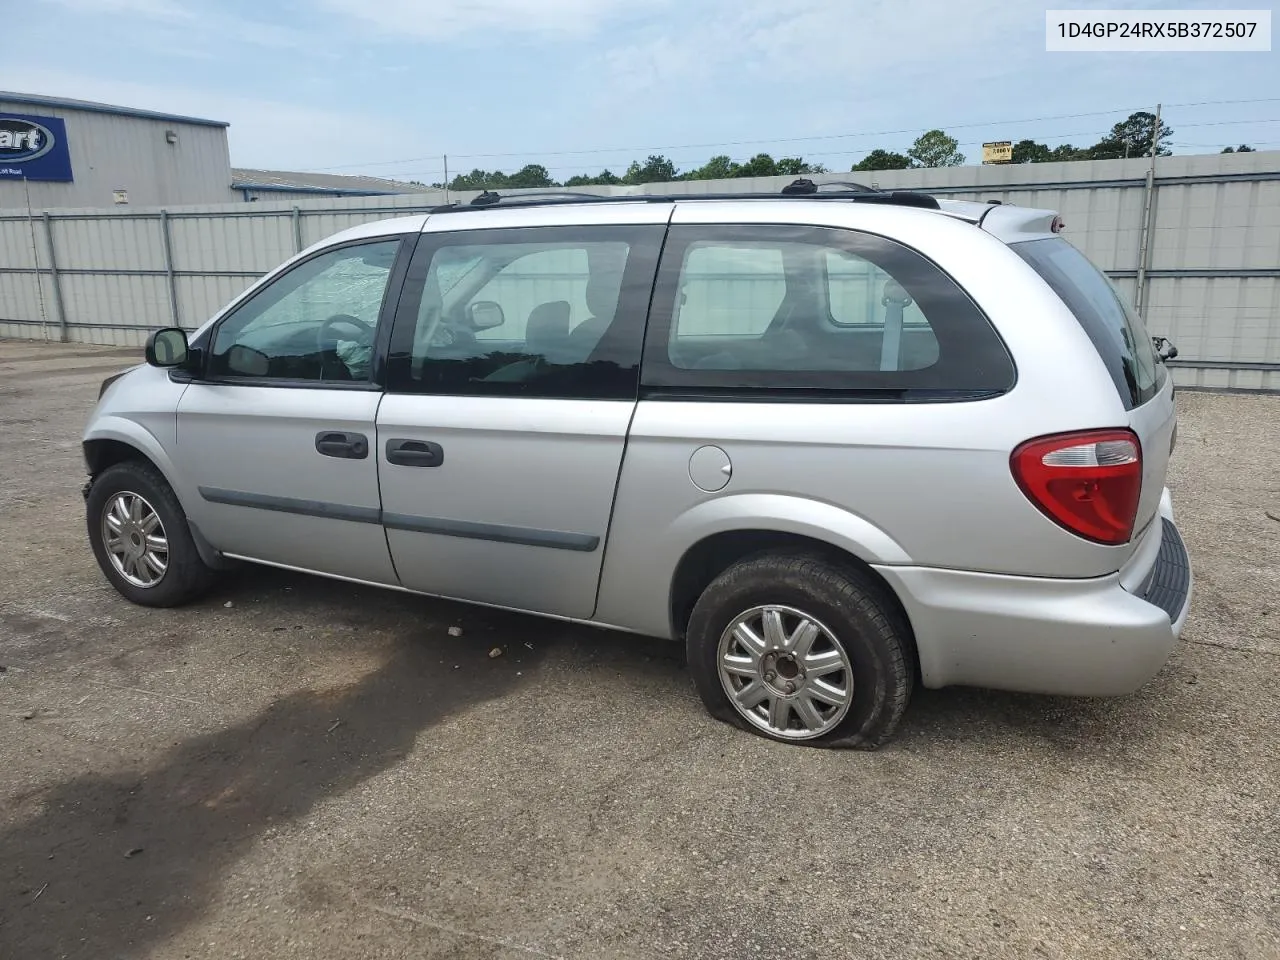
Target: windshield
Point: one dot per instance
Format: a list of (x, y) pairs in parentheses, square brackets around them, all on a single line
[(1116, 330)]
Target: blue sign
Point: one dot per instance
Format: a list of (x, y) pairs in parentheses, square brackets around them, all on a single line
[(33, 148)]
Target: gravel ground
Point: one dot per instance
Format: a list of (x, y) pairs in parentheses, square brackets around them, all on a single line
[(301, 768)]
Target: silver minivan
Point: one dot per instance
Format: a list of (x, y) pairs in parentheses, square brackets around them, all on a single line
[(837, 443)]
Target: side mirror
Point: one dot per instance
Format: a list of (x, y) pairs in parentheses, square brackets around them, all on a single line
[(485, 315), (167, 347)]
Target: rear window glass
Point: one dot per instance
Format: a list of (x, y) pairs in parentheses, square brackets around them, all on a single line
[(792, 308), (1116, 330)]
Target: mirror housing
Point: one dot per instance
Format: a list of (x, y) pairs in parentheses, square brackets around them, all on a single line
[(485, 315), (167, 347)]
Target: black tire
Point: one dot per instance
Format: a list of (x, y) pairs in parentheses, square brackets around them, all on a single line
[(849, 603), (186, 576)]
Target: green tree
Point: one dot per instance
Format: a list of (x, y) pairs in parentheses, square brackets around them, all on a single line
[(719, 167), (531, 175), (479, 180), (1029, 151), (656, 169), (935, 149), (1132, 138), (882, 160), (1243, 148), (1067, 152), (761, 165), (795, 166), (586, 180)]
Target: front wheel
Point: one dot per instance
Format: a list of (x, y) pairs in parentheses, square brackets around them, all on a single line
[(140, 538), (799, 649)]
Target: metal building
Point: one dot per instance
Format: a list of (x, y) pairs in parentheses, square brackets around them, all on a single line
[(60, 154), (254, 185), (73, 153)]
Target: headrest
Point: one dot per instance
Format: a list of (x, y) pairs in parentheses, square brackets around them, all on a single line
[(895, 293)]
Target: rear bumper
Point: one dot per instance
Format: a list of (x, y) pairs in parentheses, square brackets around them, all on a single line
[(1070, 637)]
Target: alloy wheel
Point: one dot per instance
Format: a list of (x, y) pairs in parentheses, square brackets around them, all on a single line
[(135, 539), (785, 672)]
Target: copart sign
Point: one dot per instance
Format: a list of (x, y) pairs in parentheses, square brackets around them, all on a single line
[(33, 148)]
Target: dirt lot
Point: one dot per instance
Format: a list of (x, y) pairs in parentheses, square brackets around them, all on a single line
[(301, 768)]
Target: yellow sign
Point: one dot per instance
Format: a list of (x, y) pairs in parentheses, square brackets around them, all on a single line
[(999, 152)]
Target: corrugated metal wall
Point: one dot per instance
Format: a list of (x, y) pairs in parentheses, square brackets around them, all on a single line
[(112, 151), (1212, 276)]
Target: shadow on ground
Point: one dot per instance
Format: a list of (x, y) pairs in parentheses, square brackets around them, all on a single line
[(972, 715), (113, 864)]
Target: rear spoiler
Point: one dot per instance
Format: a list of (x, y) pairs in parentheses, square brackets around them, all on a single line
[(1012, 224)]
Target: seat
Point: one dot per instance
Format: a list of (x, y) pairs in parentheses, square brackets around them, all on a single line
[(547, 331), (605, 267)]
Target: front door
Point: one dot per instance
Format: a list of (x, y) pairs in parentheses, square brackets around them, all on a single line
[(511, 386), (278, 433)]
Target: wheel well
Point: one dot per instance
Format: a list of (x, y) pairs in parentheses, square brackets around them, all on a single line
[(100, 454), (708, 558)]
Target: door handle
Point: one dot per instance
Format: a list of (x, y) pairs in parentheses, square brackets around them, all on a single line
[(347, 446), (414, 453)]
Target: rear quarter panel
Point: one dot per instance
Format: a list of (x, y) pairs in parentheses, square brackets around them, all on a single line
[(927, 484), (1154, 422)]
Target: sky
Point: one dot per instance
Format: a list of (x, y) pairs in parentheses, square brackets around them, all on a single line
[(388, 87)]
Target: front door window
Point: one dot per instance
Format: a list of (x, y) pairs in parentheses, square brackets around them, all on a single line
[(316, 322)]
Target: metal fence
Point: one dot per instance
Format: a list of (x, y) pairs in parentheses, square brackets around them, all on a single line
[(1196, 246)]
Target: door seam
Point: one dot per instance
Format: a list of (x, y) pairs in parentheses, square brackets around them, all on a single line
[(377, 474), (635, 407)]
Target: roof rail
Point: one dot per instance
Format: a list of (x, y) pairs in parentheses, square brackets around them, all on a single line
[(489, 197), (854, 192), (808, 187)]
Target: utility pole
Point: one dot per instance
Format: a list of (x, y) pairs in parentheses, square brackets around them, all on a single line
[(1148, 216), (446, 179)]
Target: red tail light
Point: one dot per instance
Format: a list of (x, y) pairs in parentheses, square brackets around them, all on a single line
[(1088, 482)]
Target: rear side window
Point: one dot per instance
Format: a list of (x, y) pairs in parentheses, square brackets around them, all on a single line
[(730, 291), (782, 308), (1116, 330), (553, 312)]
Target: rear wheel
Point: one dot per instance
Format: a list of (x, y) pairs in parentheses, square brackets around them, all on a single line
[(799, 649), (140, 537)]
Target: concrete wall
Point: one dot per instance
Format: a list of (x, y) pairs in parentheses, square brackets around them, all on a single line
[(1212, 274), (116, 152)]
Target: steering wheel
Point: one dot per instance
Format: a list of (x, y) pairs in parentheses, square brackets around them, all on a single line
[(364, 331), (446, 337)]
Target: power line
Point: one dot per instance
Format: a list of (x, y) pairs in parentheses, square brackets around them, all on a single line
[(833, 155), (830, 136), (1252, 143), (728, 143), (813, 138), (1218, 103)]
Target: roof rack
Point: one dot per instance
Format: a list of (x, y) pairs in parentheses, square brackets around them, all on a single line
[(806, 189), (488, 197)]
